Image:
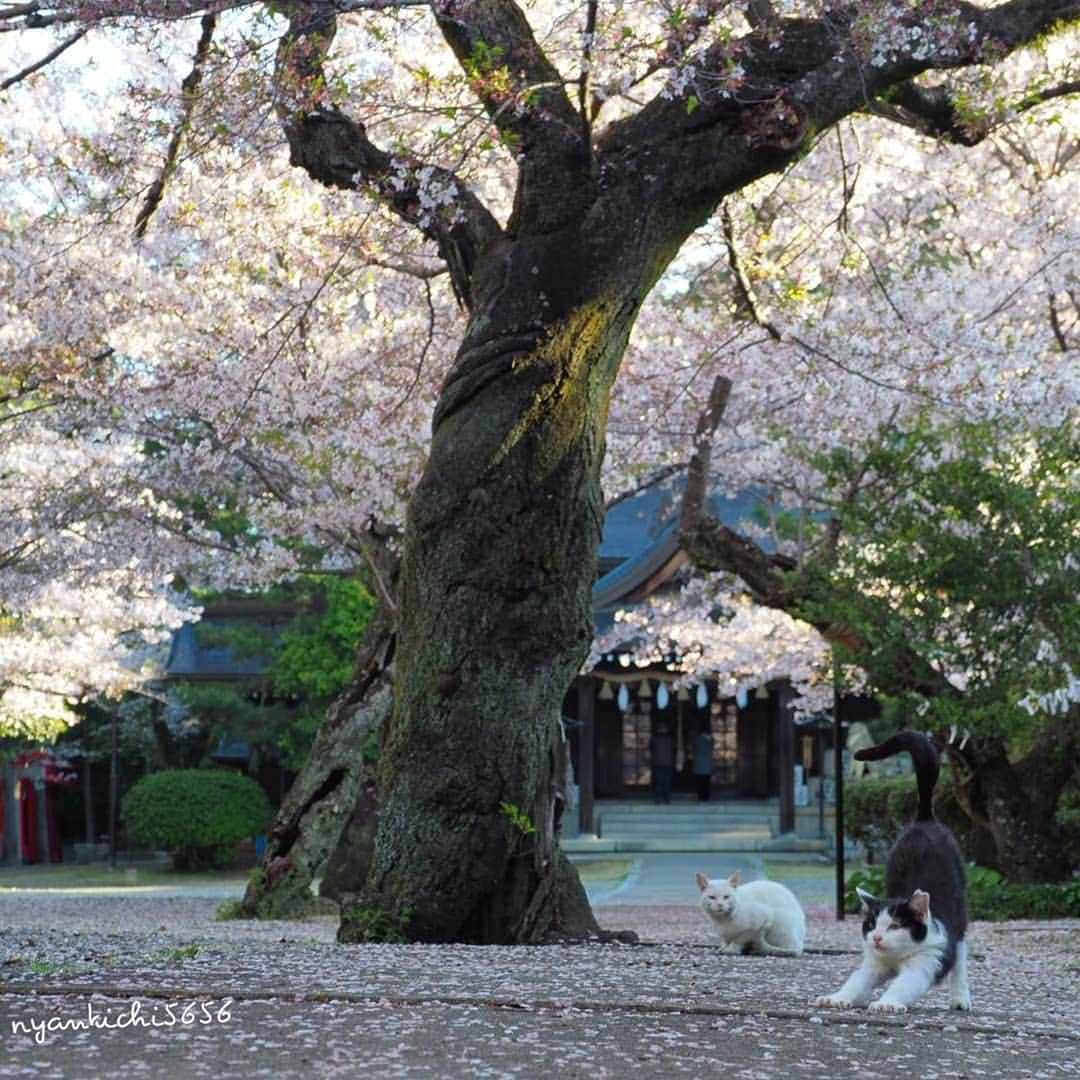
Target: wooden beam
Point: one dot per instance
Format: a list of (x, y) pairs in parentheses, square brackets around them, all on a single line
[(586, 763), (785, 756)]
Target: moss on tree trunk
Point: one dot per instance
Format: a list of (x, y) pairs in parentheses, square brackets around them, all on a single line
[(499, 564)]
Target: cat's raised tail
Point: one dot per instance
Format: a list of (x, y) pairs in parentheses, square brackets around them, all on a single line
[(923, 756)]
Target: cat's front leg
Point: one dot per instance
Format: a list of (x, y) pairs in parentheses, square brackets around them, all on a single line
[(904, 990), (857, 990), (959, 994)]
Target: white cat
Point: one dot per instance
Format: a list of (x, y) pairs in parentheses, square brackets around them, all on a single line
[(760, 916)]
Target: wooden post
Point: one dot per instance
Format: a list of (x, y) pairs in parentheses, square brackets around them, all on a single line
[(785, 756), (89, 830), (114, 787), (838, 797), (9, 811), (586, 765)]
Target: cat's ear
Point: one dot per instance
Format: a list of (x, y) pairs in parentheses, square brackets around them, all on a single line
[(869, 902), (920, 904), (702, 882), (733, 881)]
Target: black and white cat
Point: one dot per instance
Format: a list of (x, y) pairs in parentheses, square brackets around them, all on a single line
[(906, 942)]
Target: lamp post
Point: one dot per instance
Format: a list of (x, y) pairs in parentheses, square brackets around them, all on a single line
[(838, 792)]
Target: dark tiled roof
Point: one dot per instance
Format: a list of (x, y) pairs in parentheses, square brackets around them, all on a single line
[(643, 532), (191, 659)]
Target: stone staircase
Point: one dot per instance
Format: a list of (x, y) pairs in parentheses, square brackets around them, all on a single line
[(731, 825)]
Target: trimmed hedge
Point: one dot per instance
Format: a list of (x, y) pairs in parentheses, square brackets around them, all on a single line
[(196, 814), (990, 897), (878, 809)]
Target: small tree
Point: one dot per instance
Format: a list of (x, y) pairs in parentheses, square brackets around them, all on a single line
[(196, 814), (958, 580)]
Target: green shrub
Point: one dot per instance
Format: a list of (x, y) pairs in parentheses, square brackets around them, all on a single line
[(196, 814), (367, 925), (871, 880), (990, 897), (1068, 819), (878, 809)]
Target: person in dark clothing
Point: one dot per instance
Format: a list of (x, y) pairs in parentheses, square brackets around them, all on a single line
[(663, 762), (703, 764)]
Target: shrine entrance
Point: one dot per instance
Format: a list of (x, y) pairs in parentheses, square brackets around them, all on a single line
[(626, 716)]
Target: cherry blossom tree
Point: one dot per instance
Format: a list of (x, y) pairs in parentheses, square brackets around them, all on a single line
[(544, 164)]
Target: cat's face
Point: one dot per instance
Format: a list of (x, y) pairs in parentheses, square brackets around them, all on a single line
[(718, 895), (895, 928)]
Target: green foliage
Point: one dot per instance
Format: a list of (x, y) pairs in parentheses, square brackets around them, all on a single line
[(878, 809), (197, 814), (51, 967), (307, 657), (368, 925), (176, 955), (870, 879), (519, 820), (990, 897), (958, 556), (228, 910), (318, 649)]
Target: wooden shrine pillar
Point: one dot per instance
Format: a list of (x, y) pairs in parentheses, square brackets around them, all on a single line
[(586, 763), (785, 756)]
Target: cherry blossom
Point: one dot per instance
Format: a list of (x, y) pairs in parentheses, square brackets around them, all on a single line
[(268, 351)]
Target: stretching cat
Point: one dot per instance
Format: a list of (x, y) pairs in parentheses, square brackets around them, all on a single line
[(760, 916), (903, 939)]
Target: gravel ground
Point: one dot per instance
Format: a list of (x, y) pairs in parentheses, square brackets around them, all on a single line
[(139, 984)]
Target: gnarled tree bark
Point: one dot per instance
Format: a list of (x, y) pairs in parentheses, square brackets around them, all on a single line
[(499, 555)]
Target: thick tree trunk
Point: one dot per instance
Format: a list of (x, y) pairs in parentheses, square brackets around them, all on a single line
[(499, 564), (1017, 800)]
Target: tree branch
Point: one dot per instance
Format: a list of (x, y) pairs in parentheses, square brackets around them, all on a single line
[(336, 151), (37, 15), (711, 545), (47, 59), (759, 99), (525, 96), (933, 110), (744, 287), (761, 15), (188, 87)]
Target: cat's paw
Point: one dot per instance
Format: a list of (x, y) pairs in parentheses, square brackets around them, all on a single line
[(887, 1007), (833, 1001), (961, 1003)]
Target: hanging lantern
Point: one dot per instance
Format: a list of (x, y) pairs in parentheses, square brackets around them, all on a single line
[(662, 696), (702, 696), (741, 697), (645, 690), (606, 693), (624, 697)]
